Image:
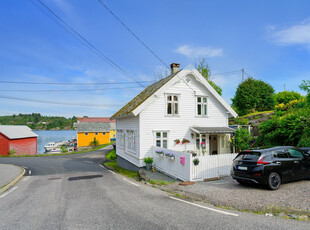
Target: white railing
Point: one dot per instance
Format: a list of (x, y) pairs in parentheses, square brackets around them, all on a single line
[(210, 166)]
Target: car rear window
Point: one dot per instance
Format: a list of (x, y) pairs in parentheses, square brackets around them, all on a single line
[(250, 156)]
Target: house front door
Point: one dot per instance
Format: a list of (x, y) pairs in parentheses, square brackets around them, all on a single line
[(213, 144)]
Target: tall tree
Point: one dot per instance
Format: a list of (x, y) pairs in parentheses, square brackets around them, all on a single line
[(205, 71), (253, 95), (305, 85)]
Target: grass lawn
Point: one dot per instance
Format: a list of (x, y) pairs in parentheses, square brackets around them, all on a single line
[(125, 172)]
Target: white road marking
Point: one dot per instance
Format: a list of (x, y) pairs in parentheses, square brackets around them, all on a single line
[(200, 206), (85, 156), (102, 166), (25, 167), (4, 194), (131, 182), (90, 162), (26, 178), (29, 172), (112, 172)]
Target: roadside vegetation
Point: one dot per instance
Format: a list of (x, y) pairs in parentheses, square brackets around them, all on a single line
[(111, 156), (113, 165)]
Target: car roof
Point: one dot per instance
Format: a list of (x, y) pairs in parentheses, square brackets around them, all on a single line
[(262, 150)]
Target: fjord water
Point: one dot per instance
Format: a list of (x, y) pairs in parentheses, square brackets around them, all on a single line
[(46, 136)]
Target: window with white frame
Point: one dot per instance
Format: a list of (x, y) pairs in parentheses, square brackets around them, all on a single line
[(131, 140), (172, 104), (202, 106), (161, 139), (120, 138)]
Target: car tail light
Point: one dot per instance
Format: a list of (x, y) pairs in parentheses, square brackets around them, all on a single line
[(261, 162)]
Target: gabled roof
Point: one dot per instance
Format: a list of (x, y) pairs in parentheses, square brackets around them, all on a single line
[(139, 102), (91, 127), (141, 97), (16, 131), (95, 119)]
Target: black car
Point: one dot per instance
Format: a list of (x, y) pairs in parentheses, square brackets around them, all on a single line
[(271, 166)]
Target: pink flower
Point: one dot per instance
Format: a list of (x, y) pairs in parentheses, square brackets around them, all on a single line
[(202, 143)]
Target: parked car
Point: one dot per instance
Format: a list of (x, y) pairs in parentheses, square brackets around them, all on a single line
[(272, 166), (306, 149)]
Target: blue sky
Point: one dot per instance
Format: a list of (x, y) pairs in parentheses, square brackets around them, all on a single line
[(269, 39)]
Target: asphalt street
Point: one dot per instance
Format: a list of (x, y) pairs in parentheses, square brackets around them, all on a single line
[(76, 192)]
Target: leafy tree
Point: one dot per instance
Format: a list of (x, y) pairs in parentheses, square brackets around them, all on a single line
[(242, 139), (253, 95), (286, 96), (305, 85), (205, 71)]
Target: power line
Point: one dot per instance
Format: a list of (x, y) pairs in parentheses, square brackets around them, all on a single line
[(133, 34), (226, 73), (72, 83), (87, 43), (63, 90), (59, 103)]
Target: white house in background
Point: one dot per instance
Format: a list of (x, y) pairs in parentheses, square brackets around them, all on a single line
[(182, 105)]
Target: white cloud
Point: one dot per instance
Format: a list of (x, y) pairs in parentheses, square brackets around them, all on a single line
[(199, 51), (298, 34)]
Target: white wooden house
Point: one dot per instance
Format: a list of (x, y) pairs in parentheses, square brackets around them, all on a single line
[(182, 105)]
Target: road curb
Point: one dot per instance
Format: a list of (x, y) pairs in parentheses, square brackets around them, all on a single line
[(13, 182)]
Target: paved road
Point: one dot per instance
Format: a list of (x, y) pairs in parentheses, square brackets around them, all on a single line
[(74, 192)]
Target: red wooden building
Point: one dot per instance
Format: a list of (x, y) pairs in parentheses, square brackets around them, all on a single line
[(17, 139)]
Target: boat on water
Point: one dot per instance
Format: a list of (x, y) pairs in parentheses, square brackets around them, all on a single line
[(54, 145)]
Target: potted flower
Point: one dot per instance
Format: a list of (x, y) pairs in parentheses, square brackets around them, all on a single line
[(148, 161), (185, 141), (160, 152), (203, 145), (177, 141), (196, 161), (172, 156), (194, 154)]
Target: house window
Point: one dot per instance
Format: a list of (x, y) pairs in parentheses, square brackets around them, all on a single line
[(203, 139), (103, 133), (96, 134), (131, 140), (86, 134), (201, 106), (120, 138), (161, 139), (172, 105)]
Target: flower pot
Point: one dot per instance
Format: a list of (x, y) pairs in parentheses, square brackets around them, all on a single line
[(148, 166), (196, 162), (172, 158)]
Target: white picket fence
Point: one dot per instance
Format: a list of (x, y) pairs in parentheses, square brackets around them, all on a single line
[(210, 166)]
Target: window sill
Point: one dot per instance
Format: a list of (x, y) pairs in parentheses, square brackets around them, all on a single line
[(172, 115), (202, 116)]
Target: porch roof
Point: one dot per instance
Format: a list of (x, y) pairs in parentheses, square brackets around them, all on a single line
[(212, 130)]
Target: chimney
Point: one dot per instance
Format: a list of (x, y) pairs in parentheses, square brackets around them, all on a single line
[(174, 68)]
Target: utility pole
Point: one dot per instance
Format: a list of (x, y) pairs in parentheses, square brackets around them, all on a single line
[(242, 74), (284, 87)]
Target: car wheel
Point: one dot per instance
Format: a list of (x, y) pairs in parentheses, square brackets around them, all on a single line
[(274, 181)]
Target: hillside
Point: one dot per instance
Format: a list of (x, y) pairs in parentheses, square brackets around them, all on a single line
[(36, 121)]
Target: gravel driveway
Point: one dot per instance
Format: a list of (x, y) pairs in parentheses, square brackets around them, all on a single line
[(291, 197)]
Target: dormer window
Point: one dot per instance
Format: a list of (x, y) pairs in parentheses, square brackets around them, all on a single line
[(172, 105), (202, 106)]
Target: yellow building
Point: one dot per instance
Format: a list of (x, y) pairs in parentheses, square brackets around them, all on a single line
[(87, 131)]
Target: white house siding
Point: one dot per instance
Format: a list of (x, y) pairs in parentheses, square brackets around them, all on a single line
[(154, 117), (129, 123)]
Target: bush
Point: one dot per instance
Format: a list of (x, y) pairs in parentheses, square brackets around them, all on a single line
[(111, 155), (148, 160), (94, 143), (242, 139), (286, 96)]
